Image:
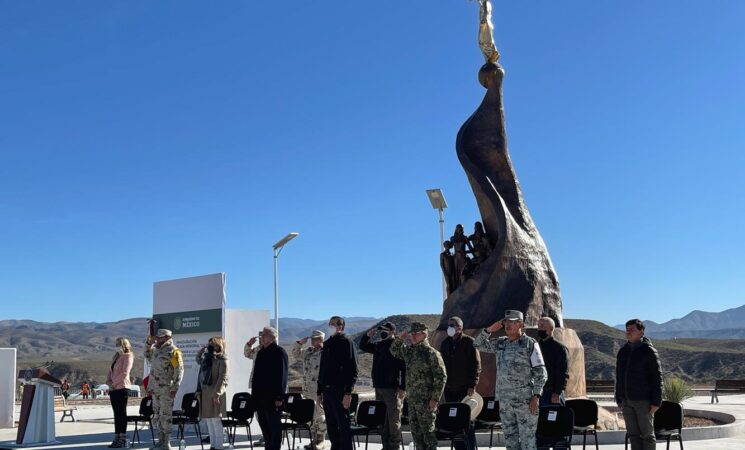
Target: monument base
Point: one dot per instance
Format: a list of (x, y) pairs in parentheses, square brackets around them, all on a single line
[(575, 386)]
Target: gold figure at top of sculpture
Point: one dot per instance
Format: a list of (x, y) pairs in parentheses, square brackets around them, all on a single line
[(486, 36)]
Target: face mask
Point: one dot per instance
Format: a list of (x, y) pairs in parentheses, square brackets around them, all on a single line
[(451, 331), (384, 335), (332, 331), (542, 334)]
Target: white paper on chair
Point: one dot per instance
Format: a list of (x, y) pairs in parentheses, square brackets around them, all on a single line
[(490, 404), (371, 410), (193, 403), (453, 412), (243, 404), (552, 416), (290, 399)]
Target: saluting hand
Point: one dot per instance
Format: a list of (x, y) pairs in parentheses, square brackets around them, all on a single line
[(251, 341), (496, 326), (371, 332)]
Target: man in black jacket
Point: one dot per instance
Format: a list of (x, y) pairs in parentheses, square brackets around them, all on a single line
[(463, 366), (268, 386), (638, 386), (336, 379), (556, 358), (389, 381)]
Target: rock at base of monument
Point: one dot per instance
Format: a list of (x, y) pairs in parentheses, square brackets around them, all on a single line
[(576, 384)]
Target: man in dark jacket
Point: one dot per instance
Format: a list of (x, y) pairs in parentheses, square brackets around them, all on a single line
[(268, 387), (463, 366), (336, 379), (556, 358), (389, 381), (638, 386)]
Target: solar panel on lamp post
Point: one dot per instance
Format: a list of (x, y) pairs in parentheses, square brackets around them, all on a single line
[(437, 199), (277, 250)]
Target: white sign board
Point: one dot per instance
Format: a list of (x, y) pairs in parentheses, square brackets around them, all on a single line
[(240, 326), (8, 376)]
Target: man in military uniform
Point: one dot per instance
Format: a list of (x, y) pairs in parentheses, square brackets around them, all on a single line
[(425, 381), (521, 375), (166, 372), (311, 358)]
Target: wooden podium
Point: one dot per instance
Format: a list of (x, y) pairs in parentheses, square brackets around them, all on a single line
[(36, 424)]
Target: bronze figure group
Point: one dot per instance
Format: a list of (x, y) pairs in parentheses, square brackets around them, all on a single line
[(462, 255)]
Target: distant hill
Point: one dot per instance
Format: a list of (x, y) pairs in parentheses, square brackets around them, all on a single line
[(727, 324), (82, 351)]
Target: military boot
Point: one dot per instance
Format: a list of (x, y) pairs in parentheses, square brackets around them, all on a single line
[(319, 442), (165, 441), (159, 445)]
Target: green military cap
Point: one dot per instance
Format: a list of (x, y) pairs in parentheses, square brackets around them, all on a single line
[(513, 315), (417, 327)]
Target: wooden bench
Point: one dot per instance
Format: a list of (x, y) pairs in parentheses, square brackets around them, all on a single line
[(728, 386), (600, 386), (60, 405)]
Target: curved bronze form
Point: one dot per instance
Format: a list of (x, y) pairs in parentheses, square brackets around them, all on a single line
[(518, 273)]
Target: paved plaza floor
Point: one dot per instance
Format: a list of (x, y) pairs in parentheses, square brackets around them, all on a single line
[(94, 428)]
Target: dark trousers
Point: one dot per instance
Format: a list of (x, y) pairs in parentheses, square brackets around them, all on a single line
[(456, 396), (392, 428), (639, 424), (271, 427), (337, 419), (545, 399), (118, 400)]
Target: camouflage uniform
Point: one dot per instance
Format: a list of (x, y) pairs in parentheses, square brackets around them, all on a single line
[(521, 375), (311, 358), (166, 372), (425, 381)]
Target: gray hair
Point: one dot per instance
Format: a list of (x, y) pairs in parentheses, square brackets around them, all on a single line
[(549, 321)]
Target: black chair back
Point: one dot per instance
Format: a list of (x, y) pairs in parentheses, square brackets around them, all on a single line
[(585, 412), (289, 401), (453, 417), (242, 406), (186, 400), (669, 416), (371, 414), (490, 411), (555, 423), (302, 411), (191, 409), (146, 407)]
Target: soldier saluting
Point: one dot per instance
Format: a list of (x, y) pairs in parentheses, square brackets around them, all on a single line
[(166, 373), (425, 381), (311, 358), (521, 375)]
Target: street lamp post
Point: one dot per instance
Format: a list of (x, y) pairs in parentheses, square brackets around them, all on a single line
[(437, 199), (277, 250)]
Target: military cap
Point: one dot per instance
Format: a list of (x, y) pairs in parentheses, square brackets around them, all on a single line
[(417, 327), (387, 326), (511, 314), (317, 334), (163, 332)]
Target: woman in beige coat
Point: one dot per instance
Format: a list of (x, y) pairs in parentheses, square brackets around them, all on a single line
[(213, 380)]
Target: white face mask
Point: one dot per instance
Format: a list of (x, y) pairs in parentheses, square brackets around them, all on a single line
[(332, 331), (451, 331)]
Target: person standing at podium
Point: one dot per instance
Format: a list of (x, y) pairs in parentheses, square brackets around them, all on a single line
[(119, 384), (166, 373)]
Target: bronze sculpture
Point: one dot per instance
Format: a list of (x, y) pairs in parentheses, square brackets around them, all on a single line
[(515, 271)]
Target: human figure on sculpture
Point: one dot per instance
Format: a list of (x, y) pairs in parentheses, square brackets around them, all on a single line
[(521, 375), (479, 244), (447, 263), (638, 386), (461, 247)]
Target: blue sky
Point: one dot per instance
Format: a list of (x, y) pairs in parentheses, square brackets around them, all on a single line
[(143, 141)]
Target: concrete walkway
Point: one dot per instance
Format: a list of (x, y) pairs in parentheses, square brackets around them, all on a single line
[(94, 427)]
